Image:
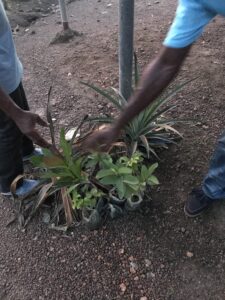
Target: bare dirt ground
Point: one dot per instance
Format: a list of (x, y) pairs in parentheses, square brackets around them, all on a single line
[(174, 257)]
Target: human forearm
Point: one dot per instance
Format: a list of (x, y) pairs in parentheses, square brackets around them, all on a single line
[(25, 120), (155, 79)]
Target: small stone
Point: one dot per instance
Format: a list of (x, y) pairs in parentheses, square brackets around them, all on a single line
[(150, 275), (183, 229), (147, 263), (51, 249), (132, 270), (123, 287), (189, 254), (131, 258), (121, 251), (136, 278), (205, 126), (133, 266), (143, 298)]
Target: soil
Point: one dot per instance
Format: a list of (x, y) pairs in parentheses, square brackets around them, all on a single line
[(156, 255)]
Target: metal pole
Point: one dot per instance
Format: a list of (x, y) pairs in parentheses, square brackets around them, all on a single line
[(64, 17), (126, 37)]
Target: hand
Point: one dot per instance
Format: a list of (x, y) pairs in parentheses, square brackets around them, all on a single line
[(26, 122), (102, 140)]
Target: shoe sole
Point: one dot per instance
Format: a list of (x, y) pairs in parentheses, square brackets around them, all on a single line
[(194, 215)]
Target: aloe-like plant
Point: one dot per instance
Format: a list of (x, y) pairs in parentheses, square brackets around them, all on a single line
[(150, 129)]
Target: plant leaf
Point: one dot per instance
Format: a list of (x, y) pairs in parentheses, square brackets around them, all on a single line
[(109, 180), (49, 118), (153, 180), (131, 180), (67, 204), (146, 144), (152, 169), (104, 173), (104, 94), (124, 170), (66, 147)]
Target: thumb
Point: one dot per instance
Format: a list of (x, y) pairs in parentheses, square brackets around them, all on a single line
[(41, 122)]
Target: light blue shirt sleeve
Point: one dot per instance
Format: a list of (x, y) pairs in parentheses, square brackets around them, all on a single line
[(191, 18), (11, 70)]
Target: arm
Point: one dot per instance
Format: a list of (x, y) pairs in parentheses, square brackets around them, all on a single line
[(191, 18), (158, 74), (25, 120)]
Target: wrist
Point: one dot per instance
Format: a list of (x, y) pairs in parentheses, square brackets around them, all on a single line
[(15, 113), (117, 128)]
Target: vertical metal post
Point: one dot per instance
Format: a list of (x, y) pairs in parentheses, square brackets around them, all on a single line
[(126, 38), (64, 17)]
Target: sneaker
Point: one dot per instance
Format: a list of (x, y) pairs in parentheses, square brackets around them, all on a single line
[(196, 203), (37, 152), (27, 187)]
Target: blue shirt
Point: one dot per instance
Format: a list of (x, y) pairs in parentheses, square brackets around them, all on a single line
[(11, 69), (191, 18)]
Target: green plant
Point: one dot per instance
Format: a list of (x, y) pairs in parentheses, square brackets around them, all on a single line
[(87, 187), (64, 169), (126, 177), (89, 198), (150, 129)]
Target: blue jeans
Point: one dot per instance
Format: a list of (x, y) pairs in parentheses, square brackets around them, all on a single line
[(214, 182)]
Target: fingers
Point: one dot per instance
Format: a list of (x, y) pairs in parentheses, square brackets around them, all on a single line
[(96, 143), (40, 141), (41, 122)]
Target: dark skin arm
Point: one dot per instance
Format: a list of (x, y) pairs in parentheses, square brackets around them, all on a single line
[(25, 120), (156, 77)]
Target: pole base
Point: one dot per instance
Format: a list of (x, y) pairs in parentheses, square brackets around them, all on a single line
[(65, 36)]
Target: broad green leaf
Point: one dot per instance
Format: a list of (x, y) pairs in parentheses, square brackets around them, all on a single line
[(124, 170), (121, 188), (144, 173), (153, 180), (104, 173), (130, 179), (152, 168), (109, 180)]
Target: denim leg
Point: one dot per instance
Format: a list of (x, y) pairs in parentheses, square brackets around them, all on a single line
[(214, 182)]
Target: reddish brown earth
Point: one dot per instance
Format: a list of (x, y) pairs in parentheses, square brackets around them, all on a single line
[(158, 255)]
